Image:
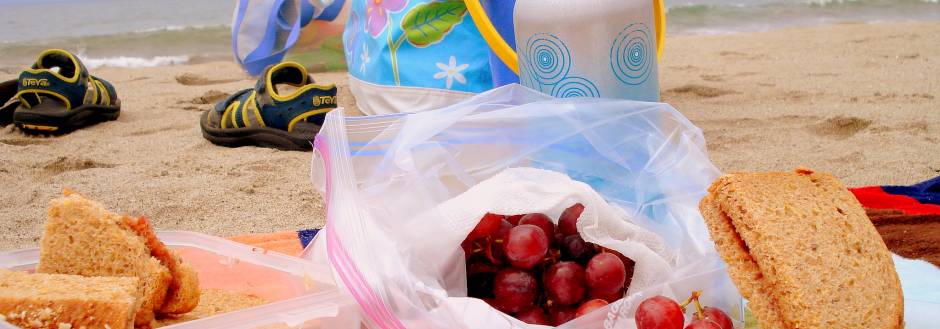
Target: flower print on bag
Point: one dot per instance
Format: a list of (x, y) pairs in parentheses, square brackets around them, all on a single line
[(451, 71), (377, 14)]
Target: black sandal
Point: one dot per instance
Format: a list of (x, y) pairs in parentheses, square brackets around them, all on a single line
[(264, 117), (57, 95)]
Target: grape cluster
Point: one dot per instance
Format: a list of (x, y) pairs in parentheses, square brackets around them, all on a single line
[(541, 273), (660, 312)]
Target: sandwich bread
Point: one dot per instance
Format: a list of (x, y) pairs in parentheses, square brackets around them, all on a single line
[(801, 249), (81, 237), (68, 301)]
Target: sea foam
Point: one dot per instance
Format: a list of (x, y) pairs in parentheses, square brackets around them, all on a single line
[(124, 61)]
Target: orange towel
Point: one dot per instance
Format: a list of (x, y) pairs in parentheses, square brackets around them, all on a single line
[(286, 242)]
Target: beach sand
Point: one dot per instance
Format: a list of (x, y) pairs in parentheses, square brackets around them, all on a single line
[(861, 101)]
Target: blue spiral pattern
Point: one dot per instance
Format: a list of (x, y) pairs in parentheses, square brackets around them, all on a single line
[(575, 87), (526, 77), (631, 54), (548, 57)]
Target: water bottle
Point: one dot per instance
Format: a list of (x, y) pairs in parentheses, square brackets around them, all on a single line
[(589, 48)]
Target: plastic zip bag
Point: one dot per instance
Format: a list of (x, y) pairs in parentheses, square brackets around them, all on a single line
[(396, 248)]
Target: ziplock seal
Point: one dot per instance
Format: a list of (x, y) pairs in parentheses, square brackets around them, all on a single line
[(373, 306)]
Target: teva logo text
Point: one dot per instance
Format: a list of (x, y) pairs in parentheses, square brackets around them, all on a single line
[(324, 100), (32, 82)]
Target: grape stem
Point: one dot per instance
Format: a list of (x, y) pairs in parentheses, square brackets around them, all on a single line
[(699, 311)]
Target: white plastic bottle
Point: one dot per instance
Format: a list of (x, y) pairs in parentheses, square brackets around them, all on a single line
[(588, 48)]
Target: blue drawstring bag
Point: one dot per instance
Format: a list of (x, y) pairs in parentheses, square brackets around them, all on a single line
[(264, 30), (413, 55)]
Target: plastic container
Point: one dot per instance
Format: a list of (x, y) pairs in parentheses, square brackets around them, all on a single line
[(302, 295)]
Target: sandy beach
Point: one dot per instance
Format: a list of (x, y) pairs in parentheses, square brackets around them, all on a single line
[(861, 101)]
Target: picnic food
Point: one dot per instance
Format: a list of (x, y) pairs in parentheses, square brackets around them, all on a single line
[(214, 302), (81, 237), (589, 306), (540, 273), (800, 248), (717, 316), (605, 273), (535, 315), (660, 312), (526, 245), (34, 300)]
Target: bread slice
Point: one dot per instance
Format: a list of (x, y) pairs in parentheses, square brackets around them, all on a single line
[(68, 301), (183, 291), (81, 237), (803, 252)]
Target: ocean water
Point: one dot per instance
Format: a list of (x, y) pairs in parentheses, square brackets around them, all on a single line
[(733, 16), (116, 32), (136, 33)]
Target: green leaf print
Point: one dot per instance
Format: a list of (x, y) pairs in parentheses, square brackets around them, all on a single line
[(428, 23)]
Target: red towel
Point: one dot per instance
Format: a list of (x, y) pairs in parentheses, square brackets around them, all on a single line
[(875, 197)]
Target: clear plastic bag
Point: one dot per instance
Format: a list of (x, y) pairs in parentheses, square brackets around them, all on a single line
[(393, 241)]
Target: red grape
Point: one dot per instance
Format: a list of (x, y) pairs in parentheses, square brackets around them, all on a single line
[(480, 278), (477, 268), (568, 222), (487, 225), (627, 263), (467, 247), (514, 219), (659, 312), (540, 220), (577, 249), (589, 306), (490, 301), (495, 246), (507, 255), (609, 297), (515, 290), (533, 315), (703, 324), (526, 246), (560, 315), (718, 316), (564, 283), (559, 238), (605, 273)]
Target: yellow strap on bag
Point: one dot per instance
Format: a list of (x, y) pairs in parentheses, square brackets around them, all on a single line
[(659, 19), (509, 56), (492, 37)]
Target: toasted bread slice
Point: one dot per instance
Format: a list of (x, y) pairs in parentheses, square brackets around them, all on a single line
[(801, 249), (183, 291), (83, 238), (68, 301)]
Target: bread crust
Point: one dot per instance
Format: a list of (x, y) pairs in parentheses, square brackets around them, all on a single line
[(183, 291), (82, 237), (63, 301), (801, 249), (742, 269), (183, 294)]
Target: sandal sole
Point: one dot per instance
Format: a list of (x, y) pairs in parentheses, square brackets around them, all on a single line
[(264, 137), (44, 121)]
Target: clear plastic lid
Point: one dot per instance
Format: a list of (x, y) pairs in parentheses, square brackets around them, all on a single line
[(299, 293)]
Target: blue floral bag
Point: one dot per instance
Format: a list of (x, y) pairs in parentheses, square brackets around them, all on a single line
[(413, 55)]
